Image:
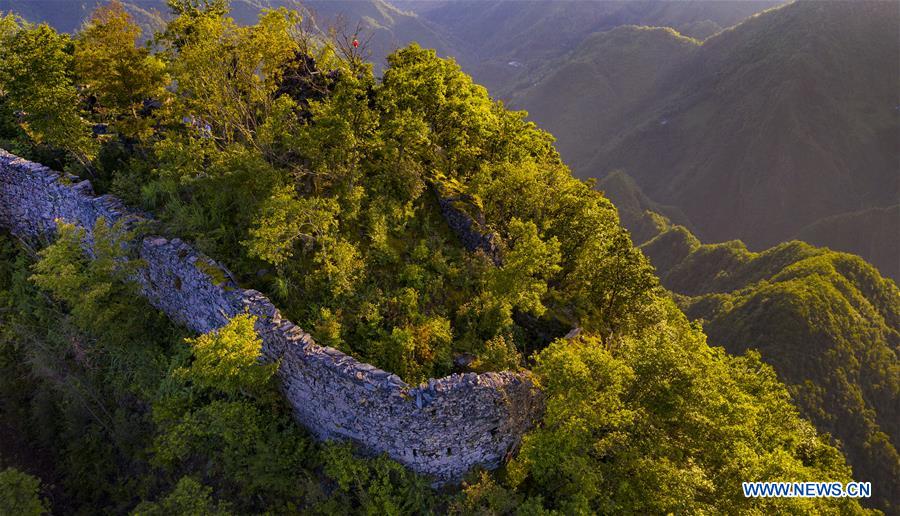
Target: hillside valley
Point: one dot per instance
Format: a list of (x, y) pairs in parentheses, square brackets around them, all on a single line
[(786, 126), (265, 271)]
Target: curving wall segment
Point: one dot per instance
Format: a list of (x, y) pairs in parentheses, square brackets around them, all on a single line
[(441, 428)]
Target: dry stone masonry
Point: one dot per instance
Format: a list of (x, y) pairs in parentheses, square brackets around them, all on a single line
[(470, 230), (441, 428)]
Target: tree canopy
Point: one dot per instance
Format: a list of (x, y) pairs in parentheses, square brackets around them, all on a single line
[(323, 186)]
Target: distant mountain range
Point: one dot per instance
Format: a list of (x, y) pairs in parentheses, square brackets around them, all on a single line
[(384, 27), (69, 15), (497, 41), (504, 42), (786, 126)]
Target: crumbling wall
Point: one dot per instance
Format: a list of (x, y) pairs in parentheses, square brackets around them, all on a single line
[(471, 230), (441, 428)]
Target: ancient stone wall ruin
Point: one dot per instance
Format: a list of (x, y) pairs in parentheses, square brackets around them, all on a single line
[(470, 230), (441, 428)]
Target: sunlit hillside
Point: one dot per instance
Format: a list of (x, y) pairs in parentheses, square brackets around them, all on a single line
[(272, 257), (827, 321)]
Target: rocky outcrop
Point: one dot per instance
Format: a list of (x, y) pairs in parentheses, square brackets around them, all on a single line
[(471, 229), (441, 428)]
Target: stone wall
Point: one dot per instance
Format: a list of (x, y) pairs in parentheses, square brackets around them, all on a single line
[(470, 230), (441, 428)]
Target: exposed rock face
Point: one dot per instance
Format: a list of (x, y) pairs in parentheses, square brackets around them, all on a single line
[(441, 428), (471, 230)]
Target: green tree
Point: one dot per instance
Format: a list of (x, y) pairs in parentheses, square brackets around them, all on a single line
[(521, 281), (378, 486), (36, 86), (198, 7), (20, 494), (603, 283), (668, 424), (220, 419), (228, 75), (343, 133), (499, 354), (286, 219), (188, 498), (236, 447), (97, 283), (228, 359), (455, 113), (115, 71), (611, 286), (99, 289)]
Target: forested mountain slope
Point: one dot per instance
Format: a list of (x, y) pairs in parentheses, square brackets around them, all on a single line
[(326, 187), (827, 322), (596, 89), (786, 121)]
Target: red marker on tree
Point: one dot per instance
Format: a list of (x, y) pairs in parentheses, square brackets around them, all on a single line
[(355, 43)]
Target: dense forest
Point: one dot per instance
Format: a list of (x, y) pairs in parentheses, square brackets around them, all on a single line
[(278, 151), (826, 321)]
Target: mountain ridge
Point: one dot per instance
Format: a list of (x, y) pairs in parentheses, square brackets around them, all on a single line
[(789, 118), (330, 190), (827, 321)]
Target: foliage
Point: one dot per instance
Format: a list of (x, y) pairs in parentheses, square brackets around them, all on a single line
[(78, 383), (484, 496), (227, 360), (196, 8), (20, 494), (116, 74), (95, 283), (227, 75), (220, 420), (827, 322), (99, 289), (499, 354), (37, 89), (521, 281), (667, 425), (210, 435), (239, 449), (188, 497), (384, 486), (319, 184), (286, 219), (313, 184)]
